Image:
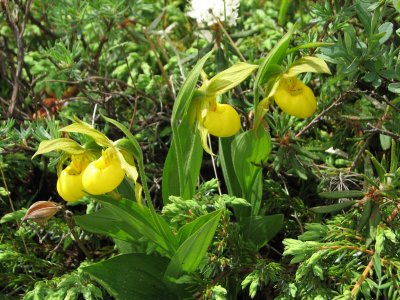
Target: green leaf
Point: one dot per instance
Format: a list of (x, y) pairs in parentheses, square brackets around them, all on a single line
[(229, 78), (132, 276), (104, 221), (141, 219), (192, 153), (308, 64), (396, 4), (380, 169), (374, 220), (332, 208), (13, 216), (386, 28), (364, 15), (394, 87), (67, 145), (250, 151), (282, 13), (394, 159), (189, 229), (86, 129), (228, 171), (341, 194), (379, 239), (309, 45), (385, 141), (365, 215), (376, 260), (261, 229), (191, 252), (183, 99)]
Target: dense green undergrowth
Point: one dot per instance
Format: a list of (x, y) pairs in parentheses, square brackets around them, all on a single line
[(319, 220)]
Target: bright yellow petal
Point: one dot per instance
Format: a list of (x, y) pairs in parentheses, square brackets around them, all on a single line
[(69, 185), (103, 175), (223, 121), (295, 98)]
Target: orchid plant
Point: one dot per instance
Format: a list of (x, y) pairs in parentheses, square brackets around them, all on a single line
[(100, 169)]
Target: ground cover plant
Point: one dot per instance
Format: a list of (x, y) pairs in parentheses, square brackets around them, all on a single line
[(199, 149)]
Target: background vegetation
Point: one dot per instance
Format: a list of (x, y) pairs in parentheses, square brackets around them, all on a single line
[(334, 176)]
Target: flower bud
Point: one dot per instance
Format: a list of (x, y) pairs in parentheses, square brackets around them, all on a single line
[(222, 121), (103, 175), (295, 98), (41, 211)]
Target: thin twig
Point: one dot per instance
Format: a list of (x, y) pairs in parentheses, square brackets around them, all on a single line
[(390, 104), (103, 40), (41, 26), (100, 78), (382, 131), (230, 40), (69, 219), (394, 213), (337, 102), (355, 248), (18, 34), (360, 152), (363, 276), (133, 113), (58, 245)]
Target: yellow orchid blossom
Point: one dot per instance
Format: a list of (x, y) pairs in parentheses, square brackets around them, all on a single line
[(290, 93), (69, 183), (220, 120), (104, 174), (295, 98)]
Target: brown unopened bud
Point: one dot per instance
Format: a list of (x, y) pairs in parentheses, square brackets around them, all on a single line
[(41, 211)]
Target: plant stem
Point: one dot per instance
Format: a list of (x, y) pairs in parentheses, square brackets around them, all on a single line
[(150, 205), (363, 276), (178, 153), (69, 220)]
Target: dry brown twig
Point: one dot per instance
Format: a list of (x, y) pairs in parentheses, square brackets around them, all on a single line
[(12, 19)]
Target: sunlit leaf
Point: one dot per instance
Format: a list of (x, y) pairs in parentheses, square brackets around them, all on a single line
[(229, 78), (132, 276), (62, 144), (85, 128), (191, 252), (308, 64)]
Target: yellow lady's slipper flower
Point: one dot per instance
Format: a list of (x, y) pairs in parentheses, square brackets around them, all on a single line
[(295, 98), (103, 175), (222, 121), (69, 183)]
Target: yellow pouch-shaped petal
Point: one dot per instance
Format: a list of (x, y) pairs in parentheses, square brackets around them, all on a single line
[(69, 184), (222, 121), (103, 175), (295, 98)]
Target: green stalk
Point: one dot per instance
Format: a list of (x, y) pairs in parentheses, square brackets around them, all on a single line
[(178, 153), (142, 174)]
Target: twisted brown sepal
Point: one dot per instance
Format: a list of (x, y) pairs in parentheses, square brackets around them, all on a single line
[(41, 211)]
